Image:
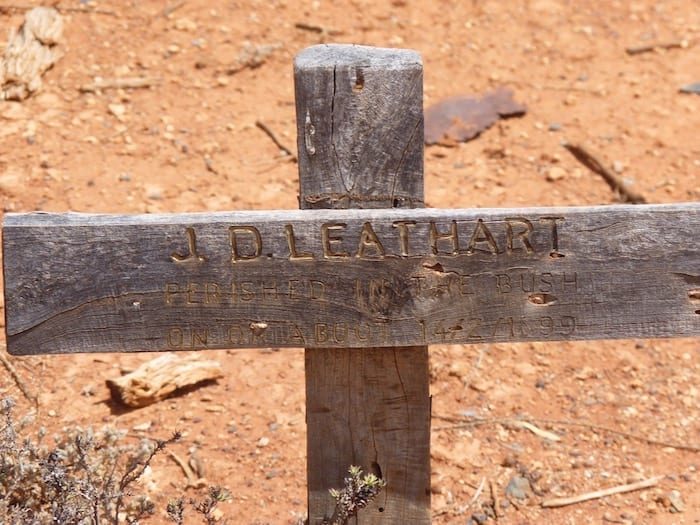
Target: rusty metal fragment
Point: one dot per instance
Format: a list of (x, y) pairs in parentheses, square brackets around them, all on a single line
[(464, 117)]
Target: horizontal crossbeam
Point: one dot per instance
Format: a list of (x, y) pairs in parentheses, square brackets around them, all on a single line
[(349, 278)]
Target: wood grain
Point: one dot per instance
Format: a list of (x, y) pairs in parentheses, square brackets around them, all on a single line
[(103, 283), (360, 129)]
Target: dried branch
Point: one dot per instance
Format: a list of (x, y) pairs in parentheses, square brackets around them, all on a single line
[(171, 9), (494, 501), (262, 126), (551, 436), (119, 83), (593, 163), (60, 9), (33, 398), (646, 48), (470, 422), (562, 502), (192, 479), (160, 377)]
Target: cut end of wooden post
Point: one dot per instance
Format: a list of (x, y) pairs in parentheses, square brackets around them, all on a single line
[(359, 127), (355, 55)]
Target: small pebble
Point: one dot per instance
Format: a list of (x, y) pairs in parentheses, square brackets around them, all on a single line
[(555, 126), (555, 173), (142, 426), (118, 110), (518, 487), (478, 519), (676, 502), (693, 88)]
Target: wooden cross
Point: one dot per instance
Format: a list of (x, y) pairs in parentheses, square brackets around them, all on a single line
[(364, 290)]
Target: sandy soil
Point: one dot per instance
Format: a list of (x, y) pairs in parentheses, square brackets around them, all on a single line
[(624, 410)]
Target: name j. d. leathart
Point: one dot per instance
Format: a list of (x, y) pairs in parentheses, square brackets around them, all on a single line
[(367, 240)]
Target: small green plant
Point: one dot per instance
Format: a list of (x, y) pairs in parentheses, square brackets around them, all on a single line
[(205, 507), (83, 478), (359, 490)]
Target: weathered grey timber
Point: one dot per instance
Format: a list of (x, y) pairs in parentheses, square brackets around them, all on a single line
[(359, 127), (354, 278), (361, 146)]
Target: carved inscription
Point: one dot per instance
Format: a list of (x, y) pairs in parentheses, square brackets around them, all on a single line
[(210, 293), (259, 333), (476, 329), (464, 330), (403, 238), (391, 303)]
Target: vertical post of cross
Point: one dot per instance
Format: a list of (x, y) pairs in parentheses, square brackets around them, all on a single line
[(360, 141)]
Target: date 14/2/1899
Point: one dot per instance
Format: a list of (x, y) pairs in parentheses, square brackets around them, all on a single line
[(477, 329)]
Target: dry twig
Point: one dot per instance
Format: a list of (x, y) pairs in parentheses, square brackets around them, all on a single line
[(60, 9), (562, 502), (262, 126), (477, 493), (192, 479), (119, 83), (551, 436), (33, 398), (455, 510), (171, 9), (494, 501), (470, 422), (593, 162), (325, 31), (646, 48)]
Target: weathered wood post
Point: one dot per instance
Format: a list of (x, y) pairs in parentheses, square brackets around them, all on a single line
[(360, 141)]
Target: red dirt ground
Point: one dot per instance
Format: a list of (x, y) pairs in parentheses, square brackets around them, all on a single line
[(190, 143)]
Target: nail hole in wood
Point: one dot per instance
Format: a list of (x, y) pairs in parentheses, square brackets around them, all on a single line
[(542, 299), (359, 81)]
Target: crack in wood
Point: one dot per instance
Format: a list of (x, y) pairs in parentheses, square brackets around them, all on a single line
[(333, 198)]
